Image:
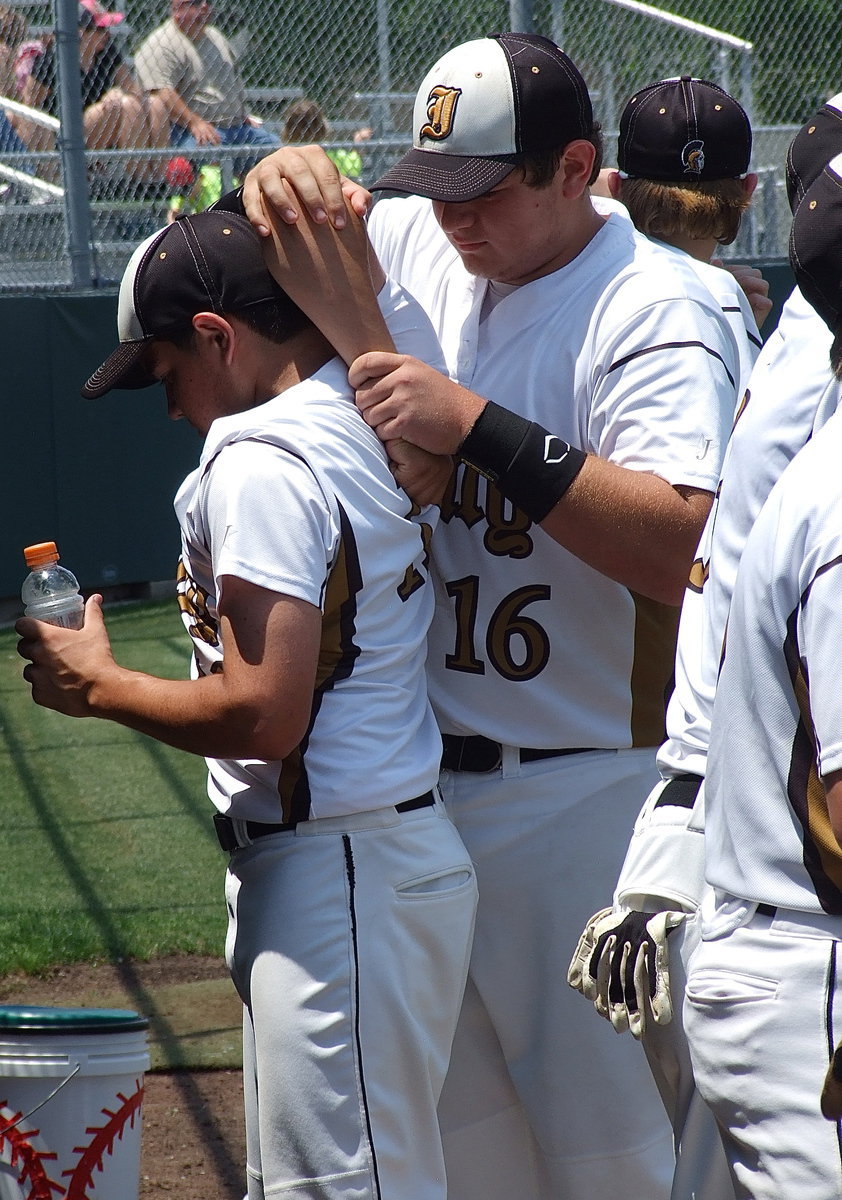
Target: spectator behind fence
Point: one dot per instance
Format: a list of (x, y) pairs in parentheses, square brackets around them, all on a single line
[(12, 36), (191, 66), (118, 114), (194, 188), (305, 122)]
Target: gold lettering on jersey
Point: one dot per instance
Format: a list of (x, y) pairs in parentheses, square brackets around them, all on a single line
[(506, 535), (742, 407), (441, 109), (698, 575), (193, 602), (461, 498), (471, 497), (516, 644), (414, 576)]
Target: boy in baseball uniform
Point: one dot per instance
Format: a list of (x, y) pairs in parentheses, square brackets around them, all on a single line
[(764, 996), (792, 392), (592, 385), (303, 586), (683, 154), (684, 151)]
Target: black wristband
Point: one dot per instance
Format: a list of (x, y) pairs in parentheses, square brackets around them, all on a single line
[(531, 467)]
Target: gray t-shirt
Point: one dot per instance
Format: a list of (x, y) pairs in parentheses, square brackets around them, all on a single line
[(203, 72)]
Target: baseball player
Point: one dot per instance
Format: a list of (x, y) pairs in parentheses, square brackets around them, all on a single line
[(602, 382), (302, 584), (792, 392), (764, 997), (684, 150)]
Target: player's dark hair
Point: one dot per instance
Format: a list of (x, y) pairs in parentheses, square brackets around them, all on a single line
[(539, 170), (276, 320), (694, 210)]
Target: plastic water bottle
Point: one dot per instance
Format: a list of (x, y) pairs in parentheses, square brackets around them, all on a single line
[(50, 592)]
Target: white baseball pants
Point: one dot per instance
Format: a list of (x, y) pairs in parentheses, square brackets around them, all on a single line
[(763, 1011), (543, 1100), (348, 942)]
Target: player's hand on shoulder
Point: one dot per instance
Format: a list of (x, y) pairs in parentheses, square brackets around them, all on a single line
[(296, 176), (65, 664), (754, 285), (621, 964), (424, 477), (401, 397)]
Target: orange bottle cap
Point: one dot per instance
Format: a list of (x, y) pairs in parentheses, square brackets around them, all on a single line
[(40, 553)]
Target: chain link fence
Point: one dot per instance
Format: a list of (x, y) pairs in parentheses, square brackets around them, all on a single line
[(88, 170)]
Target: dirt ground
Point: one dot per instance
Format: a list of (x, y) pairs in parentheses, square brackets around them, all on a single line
[(192, 1142)]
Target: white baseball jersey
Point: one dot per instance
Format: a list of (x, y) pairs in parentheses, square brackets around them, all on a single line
[(736, 308), (722, 285), (625, 354), (296, 496), (777, 717), (790, 390), (791, 393)]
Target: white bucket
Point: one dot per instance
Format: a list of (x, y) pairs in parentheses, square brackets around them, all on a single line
[(71, 1091)]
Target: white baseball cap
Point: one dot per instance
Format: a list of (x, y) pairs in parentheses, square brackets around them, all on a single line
[(482, 107)]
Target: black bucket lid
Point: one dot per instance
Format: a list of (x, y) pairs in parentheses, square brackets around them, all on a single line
[(22, 1018)]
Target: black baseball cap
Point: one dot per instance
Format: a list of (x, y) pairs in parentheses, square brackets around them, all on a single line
[(483, 105), (812, 148), (815, 244), (208, 262), (683, 130)]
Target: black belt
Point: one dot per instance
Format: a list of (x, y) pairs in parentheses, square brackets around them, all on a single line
[(480, 754), (680, 791), (227, 837), (767, 910)]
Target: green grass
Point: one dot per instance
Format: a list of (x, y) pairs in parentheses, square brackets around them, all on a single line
[(108, 849)]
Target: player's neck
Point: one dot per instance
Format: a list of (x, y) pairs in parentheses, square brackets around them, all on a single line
[(702, 249), (291, 363)]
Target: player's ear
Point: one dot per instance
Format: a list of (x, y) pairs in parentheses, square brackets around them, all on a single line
[(214, 331), (577, 164), (749, 183), (601, 186)]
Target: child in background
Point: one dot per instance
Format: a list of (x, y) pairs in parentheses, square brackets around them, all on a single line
[(194, 190), (305, 122)]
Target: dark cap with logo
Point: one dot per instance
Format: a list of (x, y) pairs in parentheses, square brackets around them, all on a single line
[(482, 106), (207, 262), (683, 131), (812, 148), (815, 244)]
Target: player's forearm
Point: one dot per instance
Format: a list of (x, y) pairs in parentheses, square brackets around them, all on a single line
[(631, 526), (333, 276), (199, 716)]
